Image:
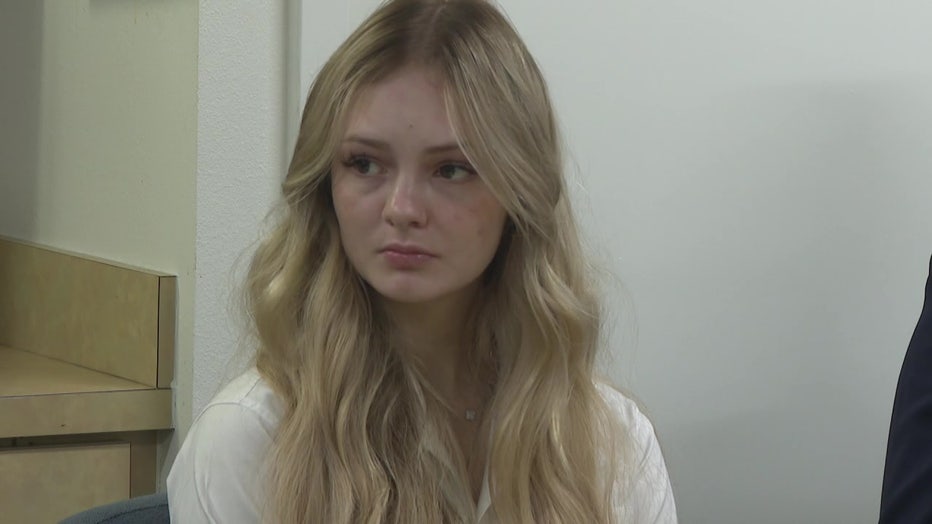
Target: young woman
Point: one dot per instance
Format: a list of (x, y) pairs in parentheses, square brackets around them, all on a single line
[(427, 327)]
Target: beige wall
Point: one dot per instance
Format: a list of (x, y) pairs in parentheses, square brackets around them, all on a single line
[(98, 138)]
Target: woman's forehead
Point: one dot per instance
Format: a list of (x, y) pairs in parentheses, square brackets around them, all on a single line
[(410, 101)]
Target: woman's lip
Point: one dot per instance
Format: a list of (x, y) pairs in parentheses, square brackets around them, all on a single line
[(406, 250), (406, 260)]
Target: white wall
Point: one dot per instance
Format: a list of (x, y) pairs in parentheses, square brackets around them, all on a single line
[(97, 137), (758, 176), (240, 162)]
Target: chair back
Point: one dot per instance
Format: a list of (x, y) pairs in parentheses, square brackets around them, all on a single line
[(148, 509)]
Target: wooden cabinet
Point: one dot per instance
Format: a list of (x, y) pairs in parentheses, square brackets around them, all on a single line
[(46, 483), (86, 360)]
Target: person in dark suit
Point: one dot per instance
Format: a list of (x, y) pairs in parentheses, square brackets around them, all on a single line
[(907, 476)]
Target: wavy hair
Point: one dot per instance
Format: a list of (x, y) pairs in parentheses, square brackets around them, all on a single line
[(363, 437)]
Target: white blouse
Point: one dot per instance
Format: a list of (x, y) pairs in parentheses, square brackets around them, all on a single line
[(216, 477)]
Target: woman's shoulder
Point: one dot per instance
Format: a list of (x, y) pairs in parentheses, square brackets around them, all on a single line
[(625, 410), (629, 415), (250, 395), (638, 428), (215, 474), (646, 494), (242, 417)]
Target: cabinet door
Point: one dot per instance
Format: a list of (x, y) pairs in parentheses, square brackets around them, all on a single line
[(47, 483)]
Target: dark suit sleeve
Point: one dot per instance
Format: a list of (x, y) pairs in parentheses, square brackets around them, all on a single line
[(907, 476)]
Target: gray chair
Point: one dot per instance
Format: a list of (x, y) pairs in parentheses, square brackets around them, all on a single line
[(149, 509)]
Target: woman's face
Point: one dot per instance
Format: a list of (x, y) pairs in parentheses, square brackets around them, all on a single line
[(416, 220)]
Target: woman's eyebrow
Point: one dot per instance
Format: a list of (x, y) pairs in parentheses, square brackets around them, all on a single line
[(371, 142), (451, 147)]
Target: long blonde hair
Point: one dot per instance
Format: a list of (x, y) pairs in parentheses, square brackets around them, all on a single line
[(363, 437)]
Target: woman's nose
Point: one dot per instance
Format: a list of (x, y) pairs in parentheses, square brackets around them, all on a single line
[(406, 204)]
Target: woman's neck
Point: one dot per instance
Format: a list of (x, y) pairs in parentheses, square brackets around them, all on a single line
[(435, 334)]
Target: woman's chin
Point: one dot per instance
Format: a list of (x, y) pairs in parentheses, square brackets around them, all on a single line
[(422, 293), (407, 295)]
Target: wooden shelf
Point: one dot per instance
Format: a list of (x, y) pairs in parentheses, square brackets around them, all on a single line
[(23, 373), (44, 396)]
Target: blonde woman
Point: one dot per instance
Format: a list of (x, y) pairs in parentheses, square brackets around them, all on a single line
[(427, 329)]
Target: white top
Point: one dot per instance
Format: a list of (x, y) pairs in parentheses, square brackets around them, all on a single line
[(216, 477)]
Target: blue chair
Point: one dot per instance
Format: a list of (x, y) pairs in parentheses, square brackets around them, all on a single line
[(148, 509)]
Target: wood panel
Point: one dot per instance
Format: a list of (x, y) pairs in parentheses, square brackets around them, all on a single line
[(166, 344), (143, 447), (76, 413), (82, 310), (46, 484)]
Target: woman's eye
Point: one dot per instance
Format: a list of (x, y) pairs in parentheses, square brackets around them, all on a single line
[(362, 165), (455, 172)]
